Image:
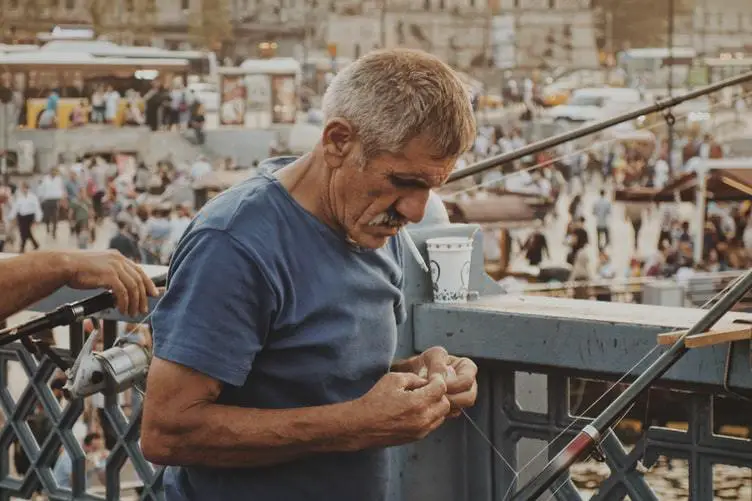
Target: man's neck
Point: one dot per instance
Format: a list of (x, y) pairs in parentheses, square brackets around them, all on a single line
[(307, 180)]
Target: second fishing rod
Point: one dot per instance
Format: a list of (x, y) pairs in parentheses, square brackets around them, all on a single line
[(551, 142)]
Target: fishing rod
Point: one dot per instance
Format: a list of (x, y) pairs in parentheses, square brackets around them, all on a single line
[(587, 130), (590, 435), (65, 315), (122, 366)]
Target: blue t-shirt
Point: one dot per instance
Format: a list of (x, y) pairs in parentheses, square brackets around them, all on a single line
[(275, 304)]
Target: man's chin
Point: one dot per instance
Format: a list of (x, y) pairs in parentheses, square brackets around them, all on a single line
[(372, 240)]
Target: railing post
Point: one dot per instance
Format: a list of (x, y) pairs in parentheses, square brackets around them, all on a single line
[(76, 334), (112, 480)]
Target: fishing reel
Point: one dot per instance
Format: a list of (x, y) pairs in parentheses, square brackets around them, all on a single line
[(116, 369)]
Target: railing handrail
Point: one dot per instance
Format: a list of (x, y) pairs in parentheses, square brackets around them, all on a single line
[(625, 281)]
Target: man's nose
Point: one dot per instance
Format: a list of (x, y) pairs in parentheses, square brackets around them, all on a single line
[(413, 206)]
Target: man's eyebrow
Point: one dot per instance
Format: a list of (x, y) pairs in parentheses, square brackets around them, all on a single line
[(410, 178)]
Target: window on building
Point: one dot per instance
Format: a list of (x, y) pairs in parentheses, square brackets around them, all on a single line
[(185, 4), (551, 4), (427, 4), (442, 5), (13, 4), (129, 6), (357, 50), (70, 4)]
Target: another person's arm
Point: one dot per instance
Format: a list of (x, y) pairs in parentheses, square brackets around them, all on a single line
[(32, 277), (208, 328)]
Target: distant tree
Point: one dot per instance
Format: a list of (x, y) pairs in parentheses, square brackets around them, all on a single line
[(211, 24), (143, 19), (640, 23), (31, 19), (99, 12)]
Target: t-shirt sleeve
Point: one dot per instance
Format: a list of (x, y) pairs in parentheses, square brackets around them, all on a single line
[(215, 314)]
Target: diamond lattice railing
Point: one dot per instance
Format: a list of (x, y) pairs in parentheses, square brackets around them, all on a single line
[(42, 456)]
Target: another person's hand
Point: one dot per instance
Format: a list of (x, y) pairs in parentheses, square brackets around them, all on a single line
[(401, 408), (111, 270), (459, 373)]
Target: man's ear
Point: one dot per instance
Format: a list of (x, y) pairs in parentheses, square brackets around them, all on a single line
[(338, 140)]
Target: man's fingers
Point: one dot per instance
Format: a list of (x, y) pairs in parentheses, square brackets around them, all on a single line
[(434, 390), (121, 295), (461, 375), (142, 305), (465, 366), (436, 360), (131, 287), (411, 381), (464, 399), (134, 293), (459, 384), (151, 289)]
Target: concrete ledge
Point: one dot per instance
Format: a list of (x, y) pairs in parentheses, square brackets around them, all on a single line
[(550, 334)]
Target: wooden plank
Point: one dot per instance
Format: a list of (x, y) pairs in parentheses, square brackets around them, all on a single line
[(668, 338), (725, 334), (739, 333)]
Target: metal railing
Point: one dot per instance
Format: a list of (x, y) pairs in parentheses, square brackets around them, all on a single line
[(697, 289), (41, 453)]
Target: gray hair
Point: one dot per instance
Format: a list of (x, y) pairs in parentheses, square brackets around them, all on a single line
[(394, 96)]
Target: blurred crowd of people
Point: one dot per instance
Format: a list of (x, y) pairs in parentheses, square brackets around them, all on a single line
[(176, 107), (151, 206), (634, 160)]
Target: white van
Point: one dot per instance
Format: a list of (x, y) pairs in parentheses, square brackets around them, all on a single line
[(595, 104)]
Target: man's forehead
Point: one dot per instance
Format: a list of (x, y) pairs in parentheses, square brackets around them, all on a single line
[(419, 162)]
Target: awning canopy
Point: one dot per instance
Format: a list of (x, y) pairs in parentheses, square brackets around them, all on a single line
[(505, 210), (723, 185), (51, 60)]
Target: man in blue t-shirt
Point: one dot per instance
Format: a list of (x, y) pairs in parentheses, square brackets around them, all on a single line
[(274, 375)]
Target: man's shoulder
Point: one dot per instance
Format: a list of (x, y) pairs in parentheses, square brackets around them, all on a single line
[(237, 206), (249, 213)]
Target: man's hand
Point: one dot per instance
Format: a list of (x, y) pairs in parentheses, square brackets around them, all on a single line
[(459, 374), (401, 408), (111, 270)]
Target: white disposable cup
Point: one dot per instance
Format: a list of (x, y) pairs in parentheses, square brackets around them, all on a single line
[(450, 268)]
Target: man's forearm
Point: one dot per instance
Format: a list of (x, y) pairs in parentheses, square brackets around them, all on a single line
[(26, 279), (234, 437)]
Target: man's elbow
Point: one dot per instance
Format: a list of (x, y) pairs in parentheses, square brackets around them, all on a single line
[(157, 446), (163, 441)]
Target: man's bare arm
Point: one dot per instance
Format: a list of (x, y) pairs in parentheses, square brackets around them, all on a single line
[(183, 424), (29, 278)]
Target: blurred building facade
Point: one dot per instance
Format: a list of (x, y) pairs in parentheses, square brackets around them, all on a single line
[(465, 33), (470, 34), (722, 26)]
